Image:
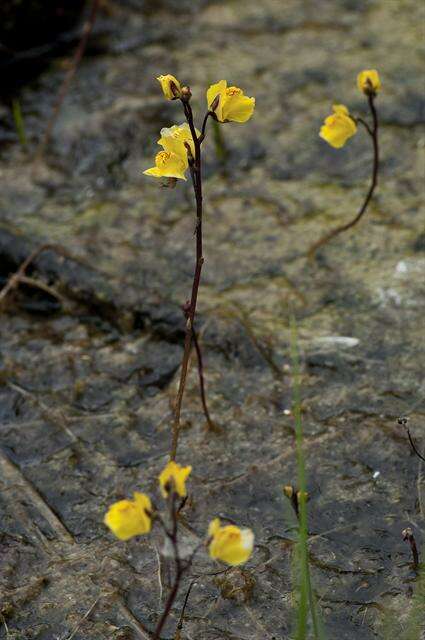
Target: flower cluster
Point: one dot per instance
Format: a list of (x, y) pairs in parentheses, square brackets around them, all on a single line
[(129, 518), (225, 104), (341, 125), (172, 161)]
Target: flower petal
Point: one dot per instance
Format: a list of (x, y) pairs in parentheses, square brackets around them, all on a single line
[(173, 139), (237, 107), (173, 478), (129, 518), (230, 544), (338, 127), (170, 86), (369, 81), (217, 89), (168, 165)]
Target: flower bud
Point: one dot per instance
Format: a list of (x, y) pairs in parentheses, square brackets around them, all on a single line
[(186, 94), (368, 82), (170, 86), (173, 479)]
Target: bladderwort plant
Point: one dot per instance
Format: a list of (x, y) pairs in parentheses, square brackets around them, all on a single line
[(306, 599), (342, 125), (181, 150), (306, 603), (129, 518)]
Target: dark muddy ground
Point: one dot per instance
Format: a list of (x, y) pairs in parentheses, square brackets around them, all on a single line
[(87, 384)]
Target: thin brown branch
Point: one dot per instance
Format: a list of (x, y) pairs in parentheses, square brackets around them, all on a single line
[(87, 29), (186, 600), (407, 535), (85, 617), (183, 611), (196, 175), (365, 125), (204, 124), (373, 132), (36, 284), (212, 426), (414, 447), (19, 276), (180, 568)]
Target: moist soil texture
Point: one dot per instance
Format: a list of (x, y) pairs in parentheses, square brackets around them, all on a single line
[(89, 367)]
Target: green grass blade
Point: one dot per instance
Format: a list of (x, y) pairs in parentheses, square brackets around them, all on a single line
[(307, 602), (301, 550)]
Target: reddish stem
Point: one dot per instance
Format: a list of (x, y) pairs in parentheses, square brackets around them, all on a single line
[(373, 132), (195, 172)]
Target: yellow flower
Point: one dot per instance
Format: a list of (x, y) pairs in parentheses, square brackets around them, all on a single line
[(170, 86), (230, 544), (338, 127), (229, 103), (173, 139), (368, 81), (128, 518), (168, 165), (173, 478)]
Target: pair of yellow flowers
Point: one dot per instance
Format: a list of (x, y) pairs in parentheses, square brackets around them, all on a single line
[(129, 518), (228, 104), (340, 126)]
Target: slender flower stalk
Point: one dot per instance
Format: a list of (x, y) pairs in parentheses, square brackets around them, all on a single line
[(196, 175), (182, 151), (404, 421), (212, 426), (369, 83), (179, 568)]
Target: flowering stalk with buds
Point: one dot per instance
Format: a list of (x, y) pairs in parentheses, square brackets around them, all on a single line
[(129, 518), (338, 128), (181, 146)]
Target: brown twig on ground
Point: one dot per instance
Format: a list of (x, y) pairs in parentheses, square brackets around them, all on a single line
[(193, 582), (133, 622), (407, 535), (19, 276), (373, 132), (412, 444), (79, 52), (404, 421), (85, 617), (183, 611)]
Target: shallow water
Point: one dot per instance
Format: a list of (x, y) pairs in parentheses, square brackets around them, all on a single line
[(86, 387)]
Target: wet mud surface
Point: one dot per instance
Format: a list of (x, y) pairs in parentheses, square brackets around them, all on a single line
[(87, 380)]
